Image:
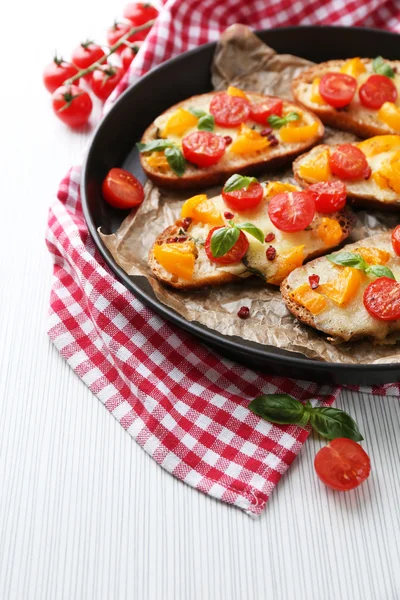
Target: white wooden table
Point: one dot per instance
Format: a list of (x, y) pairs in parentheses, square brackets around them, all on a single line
[(84, 512)]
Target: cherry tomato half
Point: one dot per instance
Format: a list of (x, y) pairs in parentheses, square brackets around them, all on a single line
[(342, 464), (85, 55), (382, 299), (229, 111), (234, 255), (121, 189), (72, 105), (105, 79), (337, 89), (128, 54), (203, 148), (349, 162), (292, 211), (56, 73), (260, 111), (139, 13), (244, 199), (396, 240), (329, 196), (377, 90)]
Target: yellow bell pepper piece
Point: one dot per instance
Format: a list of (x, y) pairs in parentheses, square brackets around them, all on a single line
[(248, 141), (330, 232), (380, 181), (234, 91), (316, 169), (157, 160), (201, 209), (374, 256), (389, 113), (354, 67), (390, 170), (277, 187), (176, 258), (345, 287), (378, 144), (294, 135), (179, 122), (310, 299), (315, 95), (287, 263)]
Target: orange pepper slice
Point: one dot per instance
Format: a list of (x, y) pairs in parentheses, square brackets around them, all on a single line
[(389, 113), (345, 287), (374, 256), (176, 258), (277, 187), (287, 263), (157, 160), (294, 135), (330, 231), (317, 169), (234, 91), (179, 122), (248, 141), (310, 299), (201, 209), (315, 95), (354, 67), (391, 172), (379, 144)]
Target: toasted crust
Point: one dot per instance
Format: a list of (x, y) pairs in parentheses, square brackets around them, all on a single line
[(353, 118), (273, 157)]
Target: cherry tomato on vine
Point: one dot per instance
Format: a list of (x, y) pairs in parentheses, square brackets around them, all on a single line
[(72, 105), (139, 13), (342, 464), (396, 240), (377, 90), (57, 72), (292, 211), (105, 79), (382, 299), (203, 148), (349, 162), (244, 199), (337, 89), (129, 53), (116, 32), (121, 189), (329, 196), (85, 55), (234, 255)]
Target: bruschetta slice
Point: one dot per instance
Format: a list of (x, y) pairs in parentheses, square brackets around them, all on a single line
[(360, 95), (349, 294), (370, 170), (205, 139), (250, 229)]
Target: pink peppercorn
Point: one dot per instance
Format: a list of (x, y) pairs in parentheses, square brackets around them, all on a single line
[(271, 253), (228, 139), (266, 131), (186, 223), (314, 281), (243, 312), (228, 215), (270, 237)]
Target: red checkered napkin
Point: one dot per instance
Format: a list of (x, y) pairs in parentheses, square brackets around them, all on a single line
[(183, 403)]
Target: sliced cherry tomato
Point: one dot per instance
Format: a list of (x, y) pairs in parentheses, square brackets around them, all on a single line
[(121, 189), (244, 199), (377, 90), (229, 111), (56, 73), (329, 196), (72, 105), (139, 13), (291, 211), (234, 255), (128, 54), (85, 55), (342, 464), (349, 162), (105, 79), (382, 299), (203, 148), (260, 111), (337, 89), (396, 240)]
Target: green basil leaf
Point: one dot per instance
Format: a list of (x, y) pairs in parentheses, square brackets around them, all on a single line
[(176, 160), (277, 122), (348, 259), (223, 240), (333, 423), (154, 146), (281, 409), (292, 116), (252, 230), (197, 112), (380, 271), (381, 67), (206, 123), (238, 182)]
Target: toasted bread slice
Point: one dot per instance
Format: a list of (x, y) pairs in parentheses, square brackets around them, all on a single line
[(381, 190), (292, 249), (351, 320), (231, 162), (355, 117)]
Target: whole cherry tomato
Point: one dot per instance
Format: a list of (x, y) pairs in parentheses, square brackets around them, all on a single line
[(349, 162), (203, 148), (377, 90), (105, 79), (329, 196), (396, 240), (244, 199), (342, 464), (116, 32), (85, 55), (292, 211), (129, 53), (234, 255), (260, 111), (337, 89), (72, 105), (229, 111), (57, 72), (382, 299), (138, 13), (121, 189)]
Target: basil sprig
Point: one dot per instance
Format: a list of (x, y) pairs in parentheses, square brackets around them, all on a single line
[(277, 122), (154, 146), (238, 182), (206, 123), (175, 160), (283, 409), (356, 261), (198, 112), (224, 238), (382, 68)]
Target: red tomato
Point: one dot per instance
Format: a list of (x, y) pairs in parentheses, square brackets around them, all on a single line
[(72, 105), (396, 240), (203, 148), (377, 90), (382, 299), (85, 55), (121, 189), (260, 111), (244, 199), (128, 54), (349, 162), (329, 196), (56, 73), (139, 13), (342, 464), (337, 89), (291, 211), (118, 30), (234, 255), (105, 79), (229, 111)]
